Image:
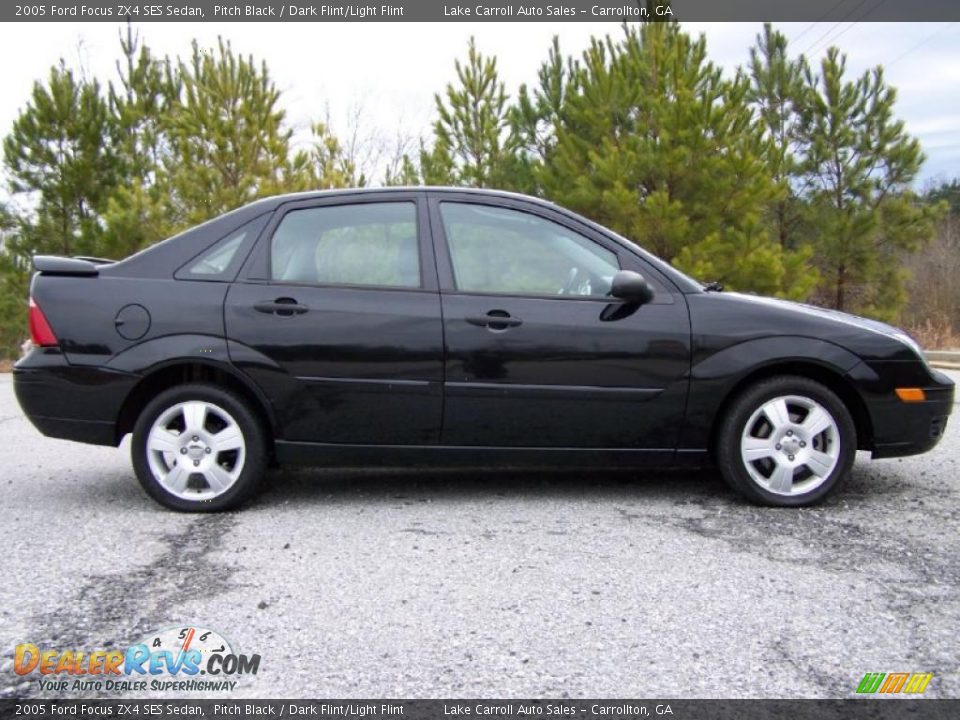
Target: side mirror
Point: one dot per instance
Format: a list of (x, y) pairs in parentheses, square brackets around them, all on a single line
[(631, 287)]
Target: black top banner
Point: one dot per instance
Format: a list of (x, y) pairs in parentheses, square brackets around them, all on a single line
[(483, 10)]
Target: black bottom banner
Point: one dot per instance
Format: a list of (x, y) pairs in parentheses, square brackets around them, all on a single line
[(874, 709)]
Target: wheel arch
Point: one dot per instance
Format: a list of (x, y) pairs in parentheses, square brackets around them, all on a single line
[(831, 378), (179, 372)]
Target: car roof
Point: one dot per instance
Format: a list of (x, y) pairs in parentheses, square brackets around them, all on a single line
[(275, 200)]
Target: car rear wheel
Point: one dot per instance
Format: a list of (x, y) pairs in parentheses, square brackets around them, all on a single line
[(198, 448), (786, 441)]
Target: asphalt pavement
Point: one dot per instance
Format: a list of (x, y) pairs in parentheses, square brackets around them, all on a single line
[(414, 583)]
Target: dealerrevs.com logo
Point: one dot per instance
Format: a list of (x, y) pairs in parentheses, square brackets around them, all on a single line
[(187, 659)]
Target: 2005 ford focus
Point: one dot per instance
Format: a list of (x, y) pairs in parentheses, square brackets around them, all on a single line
[(389, 327)]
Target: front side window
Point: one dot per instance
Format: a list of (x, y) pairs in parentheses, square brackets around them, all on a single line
[(496, 250), (363, 244)]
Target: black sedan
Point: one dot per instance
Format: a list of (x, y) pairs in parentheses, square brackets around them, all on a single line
[(450, 326)]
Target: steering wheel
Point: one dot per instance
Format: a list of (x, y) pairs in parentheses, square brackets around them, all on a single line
[(568, 286)]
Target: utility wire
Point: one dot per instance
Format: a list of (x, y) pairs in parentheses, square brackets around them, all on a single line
[(920, 44), (840, 22), (843, 32), (816, 22), (839, 35)]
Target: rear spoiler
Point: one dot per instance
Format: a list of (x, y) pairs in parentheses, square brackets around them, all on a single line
[(76, 266)]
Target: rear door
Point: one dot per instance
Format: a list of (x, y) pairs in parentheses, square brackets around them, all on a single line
[(537, 353), (337, 319)]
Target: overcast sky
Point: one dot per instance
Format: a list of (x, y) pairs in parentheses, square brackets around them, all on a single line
[(391, 70)]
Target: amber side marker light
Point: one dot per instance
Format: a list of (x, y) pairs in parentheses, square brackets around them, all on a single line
[(910, 395)]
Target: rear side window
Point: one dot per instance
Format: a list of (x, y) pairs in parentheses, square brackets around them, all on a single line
[(223, 260), (371, 244)]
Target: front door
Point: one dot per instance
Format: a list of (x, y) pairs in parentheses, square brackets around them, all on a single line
[(338, 321), (537, 355)]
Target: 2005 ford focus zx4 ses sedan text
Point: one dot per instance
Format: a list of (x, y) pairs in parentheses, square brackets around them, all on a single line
[(447, 326)]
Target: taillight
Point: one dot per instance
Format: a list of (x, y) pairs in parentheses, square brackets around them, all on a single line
[(40, 331)]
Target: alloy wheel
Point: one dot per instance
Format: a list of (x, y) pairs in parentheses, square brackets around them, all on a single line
[(196, 450), (790, 445)]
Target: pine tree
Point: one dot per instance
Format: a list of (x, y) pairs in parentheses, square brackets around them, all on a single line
[(946, 192), (860, 165), (535, 117), (61, 151), (776, 92), (473, 144), (229, 144), (653, 142), (324, 166), (141, 104), (405, 173), (14, 280)]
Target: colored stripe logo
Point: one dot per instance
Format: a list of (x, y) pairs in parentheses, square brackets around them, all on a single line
[(911, 683)]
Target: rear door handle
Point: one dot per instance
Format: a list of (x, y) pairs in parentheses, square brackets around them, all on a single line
[(494, 320), (284, 306)]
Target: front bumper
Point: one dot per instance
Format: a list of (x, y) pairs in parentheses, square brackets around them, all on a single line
[(70, 402), (905, 428)]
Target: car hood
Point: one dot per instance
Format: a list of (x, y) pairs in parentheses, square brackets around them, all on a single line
[(825, 314)]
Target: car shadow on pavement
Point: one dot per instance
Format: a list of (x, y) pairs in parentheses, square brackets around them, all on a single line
[(348, 486), (373, 485)]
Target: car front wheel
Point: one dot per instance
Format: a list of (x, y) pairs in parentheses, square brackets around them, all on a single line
[(198, 448), (786, 441)]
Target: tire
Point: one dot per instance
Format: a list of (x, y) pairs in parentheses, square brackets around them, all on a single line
[(199, 448), (786, 441)]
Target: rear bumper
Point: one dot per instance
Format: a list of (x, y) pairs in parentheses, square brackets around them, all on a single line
[(70, 402)]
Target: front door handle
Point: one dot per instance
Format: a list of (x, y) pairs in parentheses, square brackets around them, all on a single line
[(494, 320), (284, 306)]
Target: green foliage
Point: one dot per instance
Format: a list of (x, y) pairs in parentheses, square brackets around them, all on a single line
[(228, 143), (137, 214), (775, 93), (948, 193), (14, 279), (324, 167), (648, 138), (535, 117), (59, 157), (775, 180), (170, 143), (60, 151), (406, 174), (472, 144), (858, 167)]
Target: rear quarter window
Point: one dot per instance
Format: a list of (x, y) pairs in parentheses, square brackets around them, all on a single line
[(222, 261)]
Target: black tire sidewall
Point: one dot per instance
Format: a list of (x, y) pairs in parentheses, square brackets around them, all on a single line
[(728, 449), (253, 435)]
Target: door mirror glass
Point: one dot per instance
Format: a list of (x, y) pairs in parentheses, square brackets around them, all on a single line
[(631, 287)]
